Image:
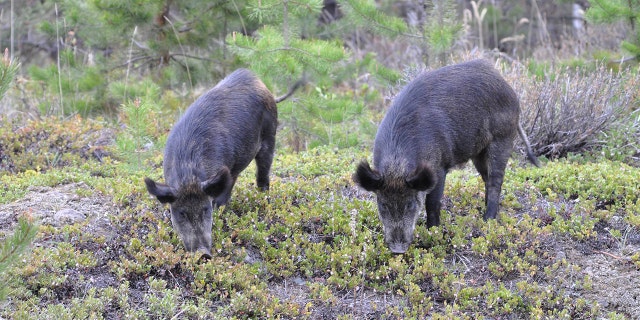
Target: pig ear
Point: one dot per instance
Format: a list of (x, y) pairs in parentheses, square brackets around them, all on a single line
[(163, 192), (367, 178), (423, 179), (218, 183)]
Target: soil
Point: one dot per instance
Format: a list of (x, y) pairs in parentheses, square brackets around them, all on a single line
[(61, 205), (616, 281)]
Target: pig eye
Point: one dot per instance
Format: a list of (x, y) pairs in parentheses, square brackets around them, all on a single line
[(409, 206), (178, 215)]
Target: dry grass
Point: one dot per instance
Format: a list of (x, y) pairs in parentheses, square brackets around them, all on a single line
[(568, 111)]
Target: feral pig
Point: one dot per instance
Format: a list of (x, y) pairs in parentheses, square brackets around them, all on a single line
[(215, 139), (439, 120)]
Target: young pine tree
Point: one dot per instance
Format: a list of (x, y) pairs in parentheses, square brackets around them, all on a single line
[(13, 246), (292, 42)]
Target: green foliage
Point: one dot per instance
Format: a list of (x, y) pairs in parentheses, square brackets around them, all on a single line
[(12, 247), (144, 123), (42, 145), (441, 31), (164, 32), (622, 141), (98, 43), (365, 14), (285, 48), (611, 11), (269, 11), (8, 71), (75, 88), (324, 118), (314, 237), (293, 56), (628, 11), (589, 182)]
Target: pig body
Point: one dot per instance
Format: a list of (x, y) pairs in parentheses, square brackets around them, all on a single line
[(439, 120), (215, 139)]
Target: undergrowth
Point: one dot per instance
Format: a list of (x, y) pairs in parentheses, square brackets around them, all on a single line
[(41, 145), (313, 247)]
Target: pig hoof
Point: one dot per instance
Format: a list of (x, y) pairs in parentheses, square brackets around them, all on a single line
[(204, 258), (206, 255)]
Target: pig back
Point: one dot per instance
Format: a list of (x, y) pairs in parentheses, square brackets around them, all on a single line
[(224, 126), (449, 114)]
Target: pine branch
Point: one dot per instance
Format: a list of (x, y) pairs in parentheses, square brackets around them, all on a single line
[(14, 246), (8, 71), (299, 54), (373, 18)]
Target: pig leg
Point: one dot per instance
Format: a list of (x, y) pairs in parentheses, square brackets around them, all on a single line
[(497, 156), (433, 203), (264, 158), (480, 162)]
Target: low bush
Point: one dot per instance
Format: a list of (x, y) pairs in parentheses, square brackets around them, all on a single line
[(567, 111), (51, 143), (570, 111)]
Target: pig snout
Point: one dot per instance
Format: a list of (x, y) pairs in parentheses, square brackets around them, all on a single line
[(197, 243), (398, 240)]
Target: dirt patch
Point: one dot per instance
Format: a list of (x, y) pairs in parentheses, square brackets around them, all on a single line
[(358, 303), (616, 285), (61, 205)]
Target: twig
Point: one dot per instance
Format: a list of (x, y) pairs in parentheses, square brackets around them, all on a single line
[(612, 255), (182, 49), (623, 60), (177, 315), (126, 78), (191, 57), (12, 30), (58, 62)]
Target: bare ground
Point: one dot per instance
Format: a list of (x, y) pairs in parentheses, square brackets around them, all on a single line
[(61, 205)]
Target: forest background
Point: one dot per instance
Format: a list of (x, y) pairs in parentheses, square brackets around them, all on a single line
[(91, 89)]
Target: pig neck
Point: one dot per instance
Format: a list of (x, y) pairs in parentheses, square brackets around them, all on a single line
[(190, 168), (400, 159), (403, 161), (184, 173)]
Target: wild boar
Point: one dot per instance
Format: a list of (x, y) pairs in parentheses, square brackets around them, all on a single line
[(215, 139), (439, 120)]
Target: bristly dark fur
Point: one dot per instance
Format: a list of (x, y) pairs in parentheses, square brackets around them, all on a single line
[(216, 139), (228, 126), (439, 120)]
